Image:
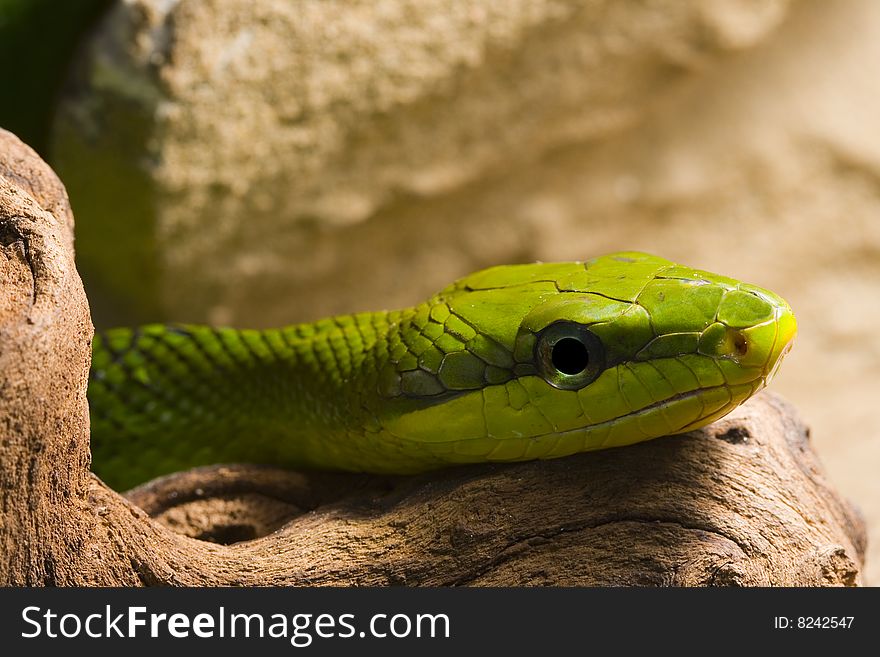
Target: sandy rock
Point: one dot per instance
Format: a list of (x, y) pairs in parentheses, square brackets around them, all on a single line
[(253, 158)]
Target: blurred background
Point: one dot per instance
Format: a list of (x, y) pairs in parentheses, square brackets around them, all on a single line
[(260, 163)]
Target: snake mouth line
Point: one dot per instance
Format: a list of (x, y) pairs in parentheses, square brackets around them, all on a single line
[(757, 384), (659, 405)]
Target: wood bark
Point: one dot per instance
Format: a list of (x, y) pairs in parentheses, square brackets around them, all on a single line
[(741, 502)]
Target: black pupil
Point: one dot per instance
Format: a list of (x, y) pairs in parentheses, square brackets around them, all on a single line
[(570, 356)]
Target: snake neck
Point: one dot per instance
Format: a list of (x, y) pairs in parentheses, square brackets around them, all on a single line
[(167, 397)]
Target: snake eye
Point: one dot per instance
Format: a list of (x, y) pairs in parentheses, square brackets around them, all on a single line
[(568, 355)]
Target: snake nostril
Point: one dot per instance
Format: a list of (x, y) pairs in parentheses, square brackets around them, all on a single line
[(740, 344)]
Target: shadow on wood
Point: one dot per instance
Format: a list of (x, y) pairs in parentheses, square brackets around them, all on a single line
[(742, 502)]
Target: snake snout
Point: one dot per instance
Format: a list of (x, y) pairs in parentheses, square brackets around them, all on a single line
[(786, 330), (755, 330)]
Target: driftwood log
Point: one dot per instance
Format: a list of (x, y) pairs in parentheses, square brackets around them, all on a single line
[(742, 502)]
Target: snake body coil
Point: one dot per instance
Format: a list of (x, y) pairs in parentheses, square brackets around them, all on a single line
[(511, 363)]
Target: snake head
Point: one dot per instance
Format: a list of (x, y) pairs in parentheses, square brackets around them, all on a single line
[(681, 351), (609, 352)]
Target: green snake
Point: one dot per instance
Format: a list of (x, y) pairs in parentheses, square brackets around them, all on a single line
[(511, 363)]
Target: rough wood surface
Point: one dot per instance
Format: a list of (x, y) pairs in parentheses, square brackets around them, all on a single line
[(743, 502)]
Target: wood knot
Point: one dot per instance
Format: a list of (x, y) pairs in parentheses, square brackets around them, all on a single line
[(735, 435)]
